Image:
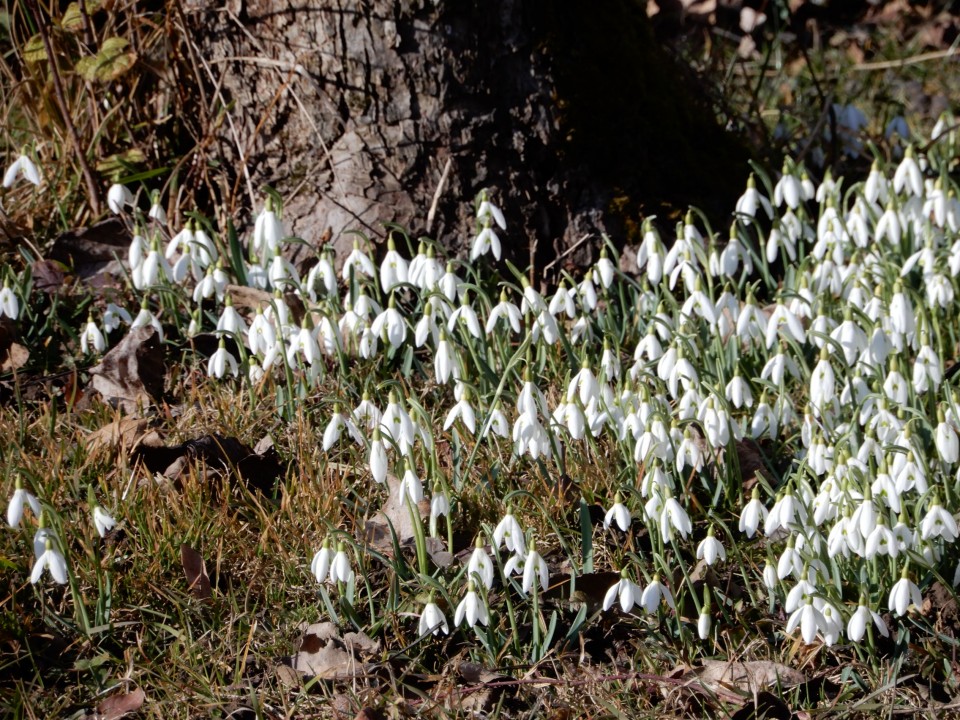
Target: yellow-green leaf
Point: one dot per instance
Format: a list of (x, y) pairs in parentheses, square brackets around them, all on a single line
[(34, 51), (121, 161), (72, 20), (114, 59)]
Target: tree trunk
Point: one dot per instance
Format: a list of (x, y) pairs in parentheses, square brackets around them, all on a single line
[(567, 112)]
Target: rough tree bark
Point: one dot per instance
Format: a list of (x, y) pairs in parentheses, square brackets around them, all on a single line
[(566, 111)]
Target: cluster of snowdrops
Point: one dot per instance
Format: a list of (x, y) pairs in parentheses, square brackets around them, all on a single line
[(821, 326)]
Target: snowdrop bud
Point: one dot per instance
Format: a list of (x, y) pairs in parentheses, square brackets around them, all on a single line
[(320, 565), (340, 570), (705, 621)]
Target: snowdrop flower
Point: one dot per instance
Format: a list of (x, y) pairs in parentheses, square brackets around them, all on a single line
[(738, 391), (282, 274), (102, 521), (367, 413), (9, 303), (605, 269), (788, 189), (784, 323), (770, 579), (221, 361), (465, 314), (340, 570), (157, 212), (432, 620), (753, 515), (505, 310), (304, 343), (938, 523), (787, 512), (113, 316), (496, 424), (710, 549), (904, 594), (888, 226), (619, 513), (480, 565), (144, 318), (508, 534), (262, 335), (359, 262), (339, 421), (91, 338), (471, 608), (390, 325), (378, 457), (655, 593), (322, 560), (947, 443), (323, 275), (908, 176), (876, 186), (790, 562), (410, 485), (674, 516), (535, 570), (704, 621), (752, 199), (809, 619), (881, 541), (857, 625), (562, 301), (268, 232), (51, 559), (23, 165), (21, 497), (394, 270), (118, 196), (439, 505), (486, 239), (488, 213), (464, 411), (397, 425), (230, 321), (627, 591)]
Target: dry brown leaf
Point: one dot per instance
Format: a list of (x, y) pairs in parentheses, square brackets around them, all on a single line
[(395, 513), (123, 433), (324, 654), (252, 298), (480, 696), (748, 677), (13, 355), (121, 704), (198, 582), (48, 276), (131, 375)]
